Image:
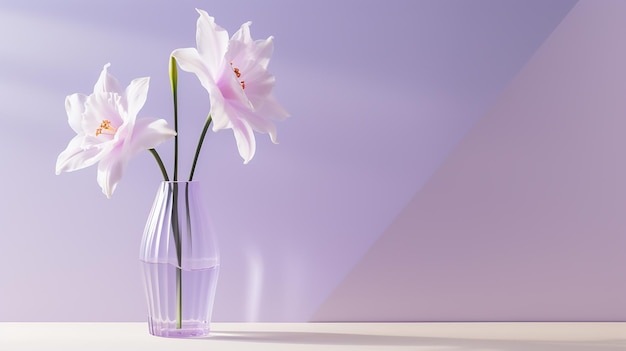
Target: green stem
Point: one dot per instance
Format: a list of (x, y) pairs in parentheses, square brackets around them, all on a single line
[(178, 245), (199, 147), (174, 84), (160, 163), (175, 220)]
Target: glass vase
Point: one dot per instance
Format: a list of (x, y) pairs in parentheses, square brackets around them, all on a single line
[(180, 262)]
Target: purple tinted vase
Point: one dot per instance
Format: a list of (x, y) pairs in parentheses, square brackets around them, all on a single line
[(180, 262)]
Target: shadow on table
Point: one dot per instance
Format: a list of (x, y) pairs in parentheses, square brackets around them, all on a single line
[(278, 337)]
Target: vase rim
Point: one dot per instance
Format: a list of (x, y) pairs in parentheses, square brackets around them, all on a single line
[(179, 181)]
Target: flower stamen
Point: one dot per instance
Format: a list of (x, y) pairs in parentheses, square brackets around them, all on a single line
[(105, 126), (238, 75)]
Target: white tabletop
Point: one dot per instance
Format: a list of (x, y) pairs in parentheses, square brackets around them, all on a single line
[(320, 336)]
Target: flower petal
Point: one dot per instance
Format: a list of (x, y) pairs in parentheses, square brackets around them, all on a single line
[(107, 83), (219, 113), (136, 94), (189, 60), (260, 84), (149, 133), (243, 34), (229, 87), (246, 143), (212, 42), (258, 122), (246, 51), (263, 50), (75, 106), (110, 171), (272, 109), (76, 157)]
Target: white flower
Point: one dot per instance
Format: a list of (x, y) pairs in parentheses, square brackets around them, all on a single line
[(234, 72), (107, 130)]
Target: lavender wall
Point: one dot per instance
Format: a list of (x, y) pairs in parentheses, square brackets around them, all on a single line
[(429, 157), (524, 219)]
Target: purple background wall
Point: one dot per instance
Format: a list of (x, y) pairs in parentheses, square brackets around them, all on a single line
[(446, 160)]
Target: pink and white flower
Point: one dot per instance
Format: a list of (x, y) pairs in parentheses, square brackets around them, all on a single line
[(107, 131), (234, 73)]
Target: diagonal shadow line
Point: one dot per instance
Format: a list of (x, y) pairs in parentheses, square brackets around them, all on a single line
[(317, 338), (321, 313)]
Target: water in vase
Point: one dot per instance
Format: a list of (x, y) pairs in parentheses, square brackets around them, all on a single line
[(192, 298)]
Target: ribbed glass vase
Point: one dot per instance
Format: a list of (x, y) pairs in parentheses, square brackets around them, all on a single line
[(180, 262)]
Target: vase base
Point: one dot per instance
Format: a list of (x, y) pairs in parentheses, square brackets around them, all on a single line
[(170, 330)]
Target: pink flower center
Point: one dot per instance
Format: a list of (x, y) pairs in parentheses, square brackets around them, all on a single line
[(105, 128)]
